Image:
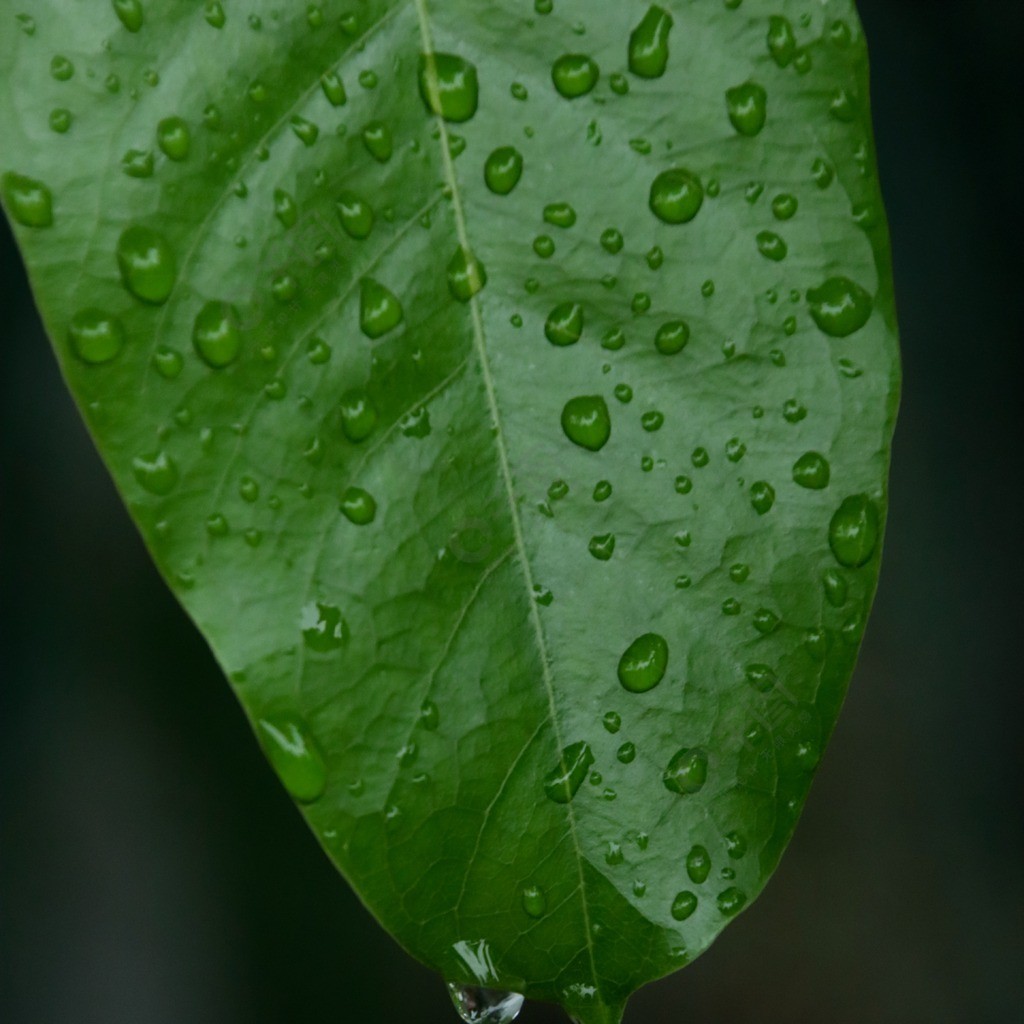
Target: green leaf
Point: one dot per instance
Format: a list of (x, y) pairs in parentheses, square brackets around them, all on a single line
[(506, 391)]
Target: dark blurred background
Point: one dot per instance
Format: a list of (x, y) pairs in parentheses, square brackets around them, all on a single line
[(153, 870)]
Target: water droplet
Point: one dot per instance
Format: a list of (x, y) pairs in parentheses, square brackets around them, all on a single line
[(564, 325), (358, 506), (379, 309), (736, 845), (586, 422), (430, 716), (174, 138), (771, 246), (334, 88), (843, 107), (285, 209), (611, 240), (147, 264), (672, 337), (561, 215), (215, 14), (836, 589), (602, 547), (138, 163), (676, 196), (96, 337), (762, 497), (449, 86), (854, 531), (602, 490), (157, 473), (684, 905), (305, 131), (812, 471), (29, 200), (761, 677), (466, 275), (358, 415), (378, 141), (698, 864), (644, 663), (484, 1005), (687, 771), (535, 903), (784, 206), (130, 13), (215, 334), (323, 628), (295, 756), (731, 901), (60, 120), (648, 44), (840, 307), (61, 68), (355, 215), (612, 722), (574, 75), (503, 169), (748, 108), (781, 41), (168, 362), (563, 782)]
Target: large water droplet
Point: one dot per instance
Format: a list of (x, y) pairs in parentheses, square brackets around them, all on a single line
[(355, 215), (358, 415), (586, 422), (812, 471), (648, 44), (748, 108), (644, 662), (563, 782), (485, 1005), (96, 337), (29, 200), (687, 771), (215, 334), (147, 264), (564, 325), (676, 196), (295, 756), (130, 13), (574, 75), (503, 169), (839, 306), (449, 86), (854, 531), (466, 275), (379, 309)]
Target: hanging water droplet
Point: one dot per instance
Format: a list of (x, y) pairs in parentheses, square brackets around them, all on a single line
[(358, 506), (29, 200), (854, 531), (586, 422), (147, 264), (215, 334), (644, 663), (563, 782), (466, 275), (687, 771), (503, 169), (698, 864), (157, 473), (96, 337), (130, 13), (839, 307), (574, 75), (449, 86), (355, 215), (379, 309), (484, 1005), (564, 325), (648, 44), (295, 756), (748, 108), (812, 470), (676, 196)]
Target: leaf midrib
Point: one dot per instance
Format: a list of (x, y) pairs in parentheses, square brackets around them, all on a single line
[(480, 345)]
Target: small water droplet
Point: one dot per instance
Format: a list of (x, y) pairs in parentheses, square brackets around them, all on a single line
[(854, 531), (602, 546), (214, 14), (484, 1005), (563, 782), (587, 422), (29, 200), (672, 337), (748, 108), (676, 196), (466, 275), (333, 88), (355, 214), (503, 169), (687, 771), (698, 864), (781, 41), (174, 138), (839, 306), (130, 13), (147, 264), (449, 86), (379, 309), (564, 325), (168, 362), (60, 120), (216, 335), (378, 141), (762, 497), (784, 206), (812, 470), (295, 756), (61, 68), (157, 473), (96, 337), (534, 901), (731, 901), (574, 75), (561, 215), (648, 44), (358, 506), (683, 905)]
